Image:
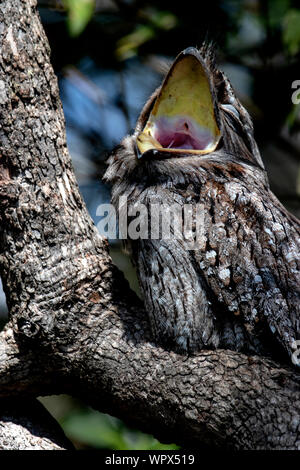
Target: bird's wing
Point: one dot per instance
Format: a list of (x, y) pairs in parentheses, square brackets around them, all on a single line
[(248, 254)]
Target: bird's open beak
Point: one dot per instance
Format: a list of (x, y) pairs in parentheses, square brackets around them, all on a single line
[(182, 119)]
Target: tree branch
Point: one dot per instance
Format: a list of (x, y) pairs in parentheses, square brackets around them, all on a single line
[(74, 324), (26, 425)]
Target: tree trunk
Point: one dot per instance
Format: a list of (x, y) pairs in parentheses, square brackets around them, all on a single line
[(74, 325)]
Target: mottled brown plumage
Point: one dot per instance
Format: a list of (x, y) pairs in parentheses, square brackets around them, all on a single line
[(240, 288)]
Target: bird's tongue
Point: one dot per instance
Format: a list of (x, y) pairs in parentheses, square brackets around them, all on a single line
[(181, 132)]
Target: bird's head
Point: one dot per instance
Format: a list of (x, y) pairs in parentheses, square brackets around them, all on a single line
[(193, 120), (195, 112)]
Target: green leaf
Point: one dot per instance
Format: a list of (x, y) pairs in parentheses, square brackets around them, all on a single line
[(99, 430), (163, 19), (79, 14), (153, 21), (291, 31), (94, 429), (276, 11), (128, 45)]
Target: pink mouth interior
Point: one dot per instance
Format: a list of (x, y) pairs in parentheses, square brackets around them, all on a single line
[(182, 132)]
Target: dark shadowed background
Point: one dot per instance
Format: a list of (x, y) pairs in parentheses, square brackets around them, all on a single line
[(109, 55)]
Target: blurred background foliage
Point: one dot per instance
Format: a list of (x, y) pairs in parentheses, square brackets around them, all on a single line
[(109, 55)]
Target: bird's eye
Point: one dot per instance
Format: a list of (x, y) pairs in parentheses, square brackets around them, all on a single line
[(231, 109)]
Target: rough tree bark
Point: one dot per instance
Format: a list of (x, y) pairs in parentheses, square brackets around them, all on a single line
[(74, 326), (25, 424)]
